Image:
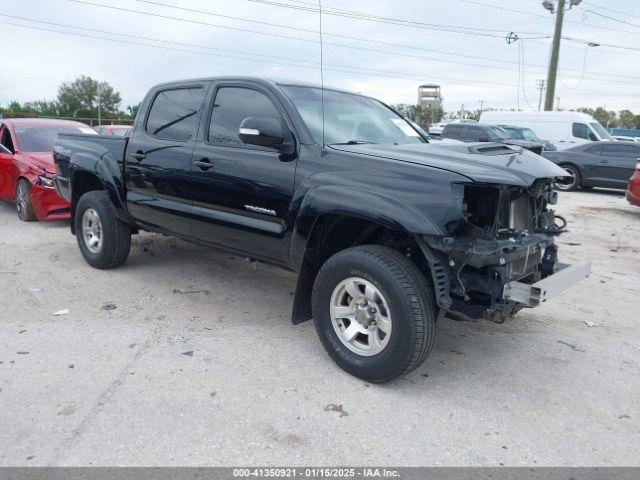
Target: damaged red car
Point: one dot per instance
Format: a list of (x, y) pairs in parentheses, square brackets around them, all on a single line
[(26, 166), (633, 189)]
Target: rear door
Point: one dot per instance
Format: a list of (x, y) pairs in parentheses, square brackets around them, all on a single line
[(241, 192), (618, 162), (158, 163)]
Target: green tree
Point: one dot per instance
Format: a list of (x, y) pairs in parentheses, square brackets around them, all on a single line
[(80, 98), (627, 119)]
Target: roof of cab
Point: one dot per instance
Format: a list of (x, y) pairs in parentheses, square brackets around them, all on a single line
[(271, 82)]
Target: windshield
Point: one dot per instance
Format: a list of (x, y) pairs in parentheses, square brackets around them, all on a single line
[(350, 118), (40, 138), (119, 132), (527, 134), (497, 133), (599, 129)]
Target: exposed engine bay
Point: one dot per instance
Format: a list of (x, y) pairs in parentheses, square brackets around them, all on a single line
[(507, 235)]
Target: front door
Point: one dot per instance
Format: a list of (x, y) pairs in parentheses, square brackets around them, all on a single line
[(7, 167), (241, 193), (618, 162), (158, 163)]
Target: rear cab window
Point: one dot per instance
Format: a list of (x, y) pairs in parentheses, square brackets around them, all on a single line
[(174, 113)]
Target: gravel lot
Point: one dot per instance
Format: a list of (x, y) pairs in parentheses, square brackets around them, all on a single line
[(198, 363)]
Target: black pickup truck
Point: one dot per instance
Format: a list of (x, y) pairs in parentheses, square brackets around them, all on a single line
[(388, 234)]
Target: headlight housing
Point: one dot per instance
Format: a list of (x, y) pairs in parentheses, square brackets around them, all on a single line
[(46, 182)]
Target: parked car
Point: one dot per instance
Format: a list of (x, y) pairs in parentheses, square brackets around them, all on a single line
[(523, 133), (596, 164), (633, 188), (113, 130), (481, 132), (563, 129), (27, 169), (386, 232)]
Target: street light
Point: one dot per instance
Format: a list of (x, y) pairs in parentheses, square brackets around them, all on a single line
[(549, 5)]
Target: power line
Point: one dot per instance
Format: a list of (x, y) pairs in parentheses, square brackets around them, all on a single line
[(612, 10), (275, 60), (422, 57), (611, 18), (261, 58), (395, 21), (524, 12)]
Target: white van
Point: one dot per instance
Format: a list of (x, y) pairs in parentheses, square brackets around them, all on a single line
[(563, 129)]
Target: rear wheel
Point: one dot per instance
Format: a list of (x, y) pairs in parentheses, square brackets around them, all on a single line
[(571, 182), (374, 312), (23, 201), (103, 239)]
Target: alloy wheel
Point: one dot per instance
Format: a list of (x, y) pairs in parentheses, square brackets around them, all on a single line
[(92, 230), (360, 316)]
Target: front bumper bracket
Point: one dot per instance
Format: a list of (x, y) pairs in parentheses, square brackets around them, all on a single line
[(532, 295)]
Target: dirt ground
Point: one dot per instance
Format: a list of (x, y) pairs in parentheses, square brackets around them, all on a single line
[(186, 356)]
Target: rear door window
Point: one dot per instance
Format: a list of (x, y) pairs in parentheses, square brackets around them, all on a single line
[(474, 134), (173, 114), (453, 131), (624, 151)]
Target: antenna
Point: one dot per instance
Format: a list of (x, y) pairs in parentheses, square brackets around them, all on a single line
[(321, 69)]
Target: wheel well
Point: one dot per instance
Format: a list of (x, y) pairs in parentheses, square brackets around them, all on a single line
[(82, 183), (333, 233), (575, 167)]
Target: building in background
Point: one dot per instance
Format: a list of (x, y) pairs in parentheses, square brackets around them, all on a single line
[(429, 96)]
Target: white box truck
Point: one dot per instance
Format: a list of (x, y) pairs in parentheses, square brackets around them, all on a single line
[(563, 129)]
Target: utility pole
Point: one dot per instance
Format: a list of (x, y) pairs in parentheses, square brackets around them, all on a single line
[(555, 54), (99, 105), (540, 85), (481, 105), (461, 113)]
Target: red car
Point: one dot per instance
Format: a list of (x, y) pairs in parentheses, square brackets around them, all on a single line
[(633, 189), (113, 130), (27, 169)]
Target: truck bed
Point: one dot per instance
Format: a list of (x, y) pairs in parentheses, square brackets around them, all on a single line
[(106, 149)]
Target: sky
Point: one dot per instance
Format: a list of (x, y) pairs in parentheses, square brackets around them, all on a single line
[(398, 45)]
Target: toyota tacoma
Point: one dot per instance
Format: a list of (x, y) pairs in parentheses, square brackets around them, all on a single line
[(387, 233)]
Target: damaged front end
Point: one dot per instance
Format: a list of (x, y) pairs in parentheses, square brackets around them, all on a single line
[(501, 257)]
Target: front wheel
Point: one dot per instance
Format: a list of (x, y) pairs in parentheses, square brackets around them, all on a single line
[(374, 312), (23, 201), (103, 239)]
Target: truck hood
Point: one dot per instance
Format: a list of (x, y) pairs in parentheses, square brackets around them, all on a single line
[(522, 143), (480, 162)]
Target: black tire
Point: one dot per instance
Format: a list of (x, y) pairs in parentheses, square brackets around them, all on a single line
[(23, 201), (564, 184), (410, 298), (115, 234)]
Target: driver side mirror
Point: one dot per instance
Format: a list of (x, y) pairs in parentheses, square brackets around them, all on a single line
[(593, 137), (266, 132), (483, 138)]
